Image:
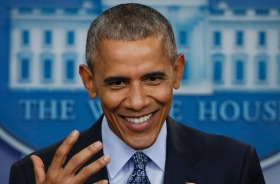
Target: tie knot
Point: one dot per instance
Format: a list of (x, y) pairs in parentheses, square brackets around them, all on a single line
[(140, 160), (139, 175)]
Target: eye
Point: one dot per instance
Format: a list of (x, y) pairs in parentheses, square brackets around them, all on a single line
[(154, 80), (117, 84)]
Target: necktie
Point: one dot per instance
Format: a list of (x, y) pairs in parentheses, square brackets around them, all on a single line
[(139, 175)]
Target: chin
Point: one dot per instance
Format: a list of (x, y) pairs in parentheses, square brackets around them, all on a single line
[(142, 145)]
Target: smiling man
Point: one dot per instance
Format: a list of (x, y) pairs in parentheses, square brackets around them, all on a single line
[(133, 67)]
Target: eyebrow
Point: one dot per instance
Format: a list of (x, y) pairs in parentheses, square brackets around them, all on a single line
[(113, 79), (156, 74)]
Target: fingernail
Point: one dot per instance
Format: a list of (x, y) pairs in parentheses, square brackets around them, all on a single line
[(106, 158), (74, 133), (97, 144)]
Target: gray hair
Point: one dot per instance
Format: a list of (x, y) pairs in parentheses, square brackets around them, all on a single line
[(129, 22)]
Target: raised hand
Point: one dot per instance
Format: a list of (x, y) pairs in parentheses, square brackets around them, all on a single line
[(57, 174)]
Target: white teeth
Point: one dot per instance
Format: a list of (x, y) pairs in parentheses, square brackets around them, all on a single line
[(139, 120)]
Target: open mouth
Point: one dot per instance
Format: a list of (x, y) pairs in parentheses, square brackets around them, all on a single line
[(139, 120)]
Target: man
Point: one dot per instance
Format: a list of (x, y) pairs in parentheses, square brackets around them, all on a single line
[(133, 67)]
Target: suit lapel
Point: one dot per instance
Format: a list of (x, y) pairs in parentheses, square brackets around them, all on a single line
[(181, 157)]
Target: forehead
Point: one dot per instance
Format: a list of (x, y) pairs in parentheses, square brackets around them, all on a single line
[(147, 47), (152, 42), (120, 55)]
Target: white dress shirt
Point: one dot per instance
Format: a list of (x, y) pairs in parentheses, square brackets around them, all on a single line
[(120, 167)]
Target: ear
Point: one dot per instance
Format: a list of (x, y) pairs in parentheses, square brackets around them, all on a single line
[(87, 78), (178, 70)]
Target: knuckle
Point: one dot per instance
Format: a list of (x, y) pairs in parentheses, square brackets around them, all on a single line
[(51, 177), (55, 177), (60, 153), (91, 148), (68, 142), (86, 171), (75, 160), (99, 163)]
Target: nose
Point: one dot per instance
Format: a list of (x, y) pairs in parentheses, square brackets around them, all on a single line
[(136, 97)]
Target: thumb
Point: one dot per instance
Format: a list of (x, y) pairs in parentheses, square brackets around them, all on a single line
[(39, 169)]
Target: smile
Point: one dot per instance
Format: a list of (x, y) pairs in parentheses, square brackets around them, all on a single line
[(140, 119)]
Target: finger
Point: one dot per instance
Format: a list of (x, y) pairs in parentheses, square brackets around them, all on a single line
[(92, 168), (80, 158), (62, 152), (102, 182), (39, 169)]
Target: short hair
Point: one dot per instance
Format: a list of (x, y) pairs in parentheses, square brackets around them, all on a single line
[(129, 22)]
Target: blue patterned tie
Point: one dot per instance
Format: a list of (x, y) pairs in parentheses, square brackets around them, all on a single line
[(139, 175)]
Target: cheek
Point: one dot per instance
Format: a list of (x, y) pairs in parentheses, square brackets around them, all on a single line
[(163, 94), (110, 101)]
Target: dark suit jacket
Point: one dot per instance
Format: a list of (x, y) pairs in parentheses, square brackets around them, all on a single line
[(192, 156)]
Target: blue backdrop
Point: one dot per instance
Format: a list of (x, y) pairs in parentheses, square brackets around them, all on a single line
[(231, 83)]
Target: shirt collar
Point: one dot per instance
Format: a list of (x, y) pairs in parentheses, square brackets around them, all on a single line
[(120, 152)]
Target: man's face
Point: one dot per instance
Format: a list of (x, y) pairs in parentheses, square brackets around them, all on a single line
[(134, 80)]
